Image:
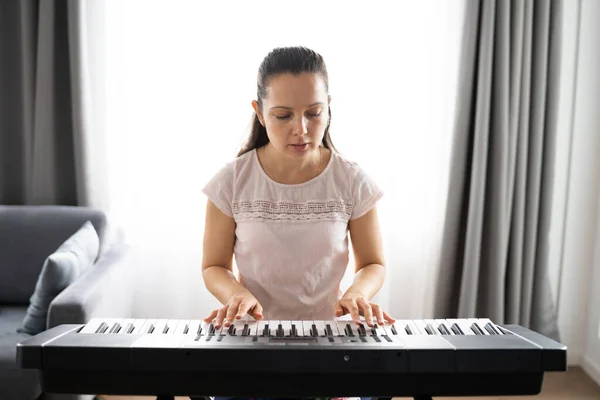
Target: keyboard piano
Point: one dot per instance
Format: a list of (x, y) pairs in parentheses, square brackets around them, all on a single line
[(418, 358)]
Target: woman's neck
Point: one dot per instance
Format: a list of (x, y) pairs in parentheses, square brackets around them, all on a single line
[(291, 171)]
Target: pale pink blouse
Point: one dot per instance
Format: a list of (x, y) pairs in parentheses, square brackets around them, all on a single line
[(291, 246)]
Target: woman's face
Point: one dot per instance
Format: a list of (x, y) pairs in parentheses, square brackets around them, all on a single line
[(295, 113)]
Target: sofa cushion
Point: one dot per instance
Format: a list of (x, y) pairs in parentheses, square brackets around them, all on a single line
[(75, 256), (28, 234), (15, 383)]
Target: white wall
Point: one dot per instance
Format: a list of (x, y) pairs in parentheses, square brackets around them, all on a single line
[(574, 226)]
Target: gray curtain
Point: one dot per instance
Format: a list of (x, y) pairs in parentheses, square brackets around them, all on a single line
[(41, 124), (495, 246)]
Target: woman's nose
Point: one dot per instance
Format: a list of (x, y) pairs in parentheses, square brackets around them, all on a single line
[(300, 126)]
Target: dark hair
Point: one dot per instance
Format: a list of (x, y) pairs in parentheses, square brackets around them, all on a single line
[(282, 60)]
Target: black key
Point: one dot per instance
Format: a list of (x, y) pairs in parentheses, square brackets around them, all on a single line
[(430, 330), (394, 331), (266, 330), (330, 339), (408, 330), (129, 328), (361, 330), (246, 330), (231, 330), (363, 339), (491, 329), (328, 330), (376, 338), (294, 332), (349, 330), (211, 330), (166, 329), (387, 338), (456, 329), (151, 330), (476, 329), (102, 328), (197, 338), (313, 330), (279, 330), (443, 330), (199, 331), (186, 329)]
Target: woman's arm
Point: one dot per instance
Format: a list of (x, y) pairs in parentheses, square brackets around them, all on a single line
[(370, 270), (217, 269)]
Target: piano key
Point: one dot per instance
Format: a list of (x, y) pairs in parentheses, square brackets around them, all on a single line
[(111, 325), (148, 326), (181, 325), (332, 328), (397, 328), (287, 328), (473, 324), (443, 327), (298, 327), (170, 326), (92, 325), (159, 326), (138, 323), (320, 328), (263, 328), (489, 326), (194, 326), (379, 330), (127, 326), (341, 325), (238, 326), (307, 328), (465, 327), (252, 327)]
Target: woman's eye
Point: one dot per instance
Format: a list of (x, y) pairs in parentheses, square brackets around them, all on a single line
[(282, 116), (315, 115)]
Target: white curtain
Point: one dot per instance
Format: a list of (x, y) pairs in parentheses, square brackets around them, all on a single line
[(180, 76)]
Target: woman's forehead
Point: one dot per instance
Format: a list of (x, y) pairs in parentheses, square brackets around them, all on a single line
[(296, 90)]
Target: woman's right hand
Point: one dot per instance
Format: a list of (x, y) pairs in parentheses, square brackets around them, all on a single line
[(238, 305)]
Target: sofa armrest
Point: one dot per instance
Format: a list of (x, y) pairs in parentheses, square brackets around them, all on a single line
[(103, 291)]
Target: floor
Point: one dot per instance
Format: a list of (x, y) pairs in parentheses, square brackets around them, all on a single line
[(574, 384)]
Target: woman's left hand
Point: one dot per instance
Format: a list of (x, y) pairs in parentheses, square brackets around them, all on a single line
[(356, 305)]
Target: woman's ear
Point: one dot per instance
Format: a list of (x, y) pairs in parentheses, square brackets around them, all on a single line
[(256, 108)]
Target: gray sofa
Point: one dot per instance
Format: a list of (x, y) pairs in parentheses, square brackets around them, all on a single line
[(29, 234)]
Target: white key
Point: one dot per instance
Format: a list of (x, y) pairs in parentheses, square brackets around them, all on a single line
[(287, 327), (252, 327), (299, 327), (434, 329), (92, 325), (159, 326), (472, 321), (320, 328), (193, 326), (147, 325), (412, 326), (420, 324), (341, 327), (399, 327), (137, 326), (380, 330), (111, 322), (334, 328), (307, 327), (180, 328), (125, 326), (238, 326), (465, 326), (171, 325), (438, 322), (261, 327)]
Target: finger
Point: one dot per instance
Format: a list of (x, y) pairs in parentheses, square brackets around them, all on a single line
[(388, 318), (377, 313), (220, 317), (352, 307), (232, 312), (211, 316), (257, 311), (338, 310), (365, 307), (245, 307)]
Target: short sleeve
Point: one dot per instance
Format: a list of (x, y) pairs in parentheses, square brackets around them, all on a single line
[(366, 193), (219, 189)]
